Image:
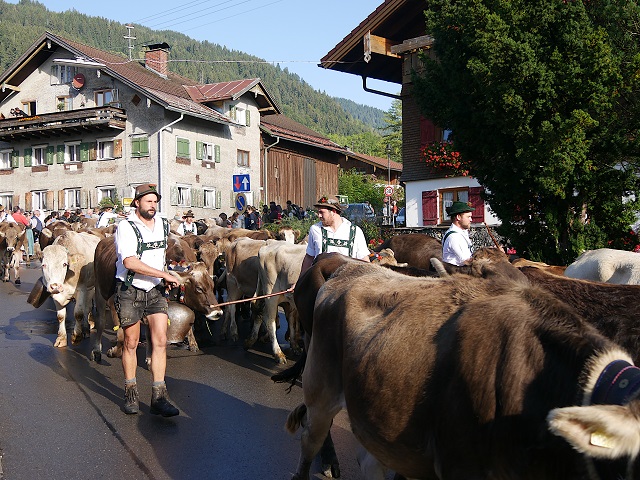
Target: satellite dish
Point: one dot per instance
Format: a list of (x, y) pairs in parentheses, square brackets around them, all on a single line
[(78, 81)]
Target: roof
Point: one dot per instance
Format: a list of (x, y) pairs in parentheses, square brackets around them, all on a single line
[(170, 91), (394, 20), (283, 127), (216, 92)]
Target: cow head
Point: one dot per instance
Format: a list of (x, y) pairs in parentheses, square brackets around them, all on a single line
[(57, 266), (12, 235), (199, 293), (288, 234)]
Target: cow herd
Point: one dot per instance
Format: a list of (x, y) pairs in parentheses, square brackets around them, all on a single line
[(493, 370)]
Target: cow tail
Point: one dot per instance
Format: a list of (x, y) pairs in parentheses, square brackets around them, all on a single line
[(292, 373), (294, 422)]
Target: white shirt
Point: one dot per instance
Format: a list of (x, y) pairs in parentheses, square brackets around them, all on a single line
[(185, 228), (104, 219), (7, 217), (127, 246), (314, 247), (457, 246)]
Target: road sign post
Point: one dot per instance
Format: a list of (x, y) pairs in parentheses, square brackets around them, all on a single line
[(241, 202), (242, 183)]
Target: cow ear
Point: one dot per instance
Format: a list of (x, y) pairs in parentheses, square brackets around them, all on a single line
[(178, 276), (599, 431)]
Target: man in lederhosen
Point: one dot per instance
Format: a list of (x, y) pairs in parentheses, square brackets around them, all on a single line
[(334, 233)]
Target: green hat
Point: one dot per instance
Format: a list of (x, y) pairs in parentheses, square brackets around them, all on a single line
[(459, 207), (145, 189)]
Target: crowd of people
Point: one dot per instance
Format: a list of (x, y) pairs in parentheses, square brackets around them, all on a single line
[(252, 219)]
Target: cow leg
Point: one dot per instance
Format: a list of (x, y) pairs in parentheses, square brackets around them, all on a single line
[(269, 311), (316, 427), (229, 322), (84, 299), (329, 459), (291, 312), (61, 315), (191, 338), (116, 350), (15, 264), (101, 305)]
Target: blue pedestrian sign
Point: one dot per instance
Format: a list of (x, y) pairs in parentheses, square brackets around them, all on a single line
[(241, 183), (241, 202)]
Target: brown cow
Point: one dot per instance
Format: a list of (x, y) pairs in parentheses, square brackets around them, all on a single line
[(470, 378), (415, 249), (12, 239), (552, 269)]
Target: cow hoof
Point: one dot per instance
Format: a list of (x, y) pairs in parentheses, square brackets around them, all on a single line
[(96, 356), (76, 339), (60, 342), (281, 360), (17, 281), (113, 352)]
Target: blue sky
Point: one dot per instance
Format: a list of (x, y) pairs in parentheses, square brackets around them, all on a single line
[(294, 33)]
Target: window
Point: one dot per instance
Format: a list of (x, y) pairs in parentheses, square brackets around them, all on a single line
[(243, 158), (39, 155), (71, 152), (39, 200), (6, 199), (105, 149), (184, 196), (72, 198), (208, 152), (5, 159), (240, 114), (140, 146), (104, 97), (64, 104), (107, 191), (63, 73), (447, 197), (29, 108), (212, 198), (182, 147)]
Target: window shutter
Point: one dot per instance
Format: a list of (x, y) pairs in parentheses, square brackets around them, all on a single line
[(84, 151), (232, 112), (117, 148), (173, 196), (183, 147), (430, 207), (199, 151), (427, 132), (218, 199), (144, 147), (84, 198), (197, 197), (93, 154), (476, 201), (60, 154), (15, 158), (247, 117), (135, 147), (49, 199), (28, 204), (50, 154), (61, 203), (217, 153)]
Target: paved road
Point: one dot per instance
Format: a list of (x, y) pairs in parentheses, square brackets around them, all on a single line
[(61, 418)]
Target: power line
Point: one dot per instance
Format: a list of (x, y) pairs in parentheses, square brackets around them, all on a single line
[(197, 12), (235, 15), (164, 13)]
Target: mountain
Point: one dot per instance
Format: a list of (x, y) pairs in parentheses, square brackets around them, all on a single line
[(21, 24)]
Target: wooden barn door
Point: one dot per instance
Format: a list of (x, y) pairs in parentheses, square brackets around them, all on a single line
[(309, 193)]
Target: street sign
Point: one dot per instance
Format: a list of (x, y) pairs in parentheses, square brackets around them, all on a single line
[(241, 183), (241, 202), (388, 190)]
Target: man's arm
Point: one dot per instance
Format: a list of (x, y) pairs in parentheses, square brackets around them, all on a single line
[(138, 266)]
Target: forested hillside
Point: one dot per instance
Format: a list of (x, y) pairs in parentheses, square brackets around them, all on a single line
[(23, 23), (366, 114)]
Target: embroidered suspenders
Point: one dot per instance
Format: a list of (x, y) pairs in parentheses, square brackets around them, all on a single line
[(336, 242), (144, 246)]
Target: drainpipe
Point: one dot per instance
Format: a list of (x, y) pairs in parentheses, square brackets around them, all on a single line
[(266, 159), (163, 203)]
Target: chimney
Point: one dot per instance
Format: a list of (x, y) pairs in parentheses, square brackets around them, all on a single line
[(156, 58)]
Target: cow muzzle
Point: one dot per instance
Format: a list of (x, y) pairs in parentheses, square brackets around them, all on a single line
[(55, 288), (215, 313)]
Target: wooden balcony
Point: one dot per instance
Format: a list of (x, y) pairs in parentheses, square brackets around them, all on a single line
[(73, 122)]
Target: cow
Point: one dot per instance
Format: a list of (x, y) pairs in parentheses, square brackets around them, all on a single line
[(198, 293), (606, 265), (465, 377), (279, 268), (552, 269), (67, 274), (241, 279), (12, 239), (51, 232), (415, 249)]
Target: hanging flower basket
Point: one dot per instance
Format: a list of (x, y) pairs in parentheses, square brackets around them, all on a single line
[(442, 156)]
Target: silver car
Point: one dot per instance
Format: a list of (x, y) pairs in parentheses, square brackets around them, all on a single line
[(356, 212)]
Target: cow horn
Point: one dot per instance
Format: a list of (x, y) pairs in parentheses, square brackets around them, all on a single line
[(439, 267)]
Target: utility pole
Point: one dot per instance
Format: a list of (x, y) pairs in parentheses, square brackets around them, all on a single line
[(129, 37)]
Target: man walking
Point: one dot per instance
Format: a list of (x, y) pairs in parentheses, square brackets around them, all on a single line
[(140, 243), (456, 245)]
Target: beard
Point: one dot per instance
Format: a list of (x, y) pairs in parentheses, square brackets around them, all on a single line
[(147, 214)]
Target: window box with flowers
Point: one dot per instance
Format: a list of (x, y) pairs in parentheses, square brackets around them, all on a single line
[(443, 157)]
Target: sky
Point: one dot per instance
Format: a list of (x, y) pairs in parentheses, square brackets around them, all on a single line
[(293, 33)]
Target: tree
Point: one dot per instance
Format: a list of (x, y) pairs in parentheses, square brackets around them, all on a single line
[(542, 99), (393, 137)]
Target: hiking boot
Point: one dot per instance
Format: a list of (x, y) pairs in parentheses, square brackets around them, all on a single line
[(160, 403), (131, 403)]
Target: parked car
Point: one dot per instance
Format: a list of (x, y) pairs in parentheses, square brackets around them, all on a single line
[(401, 221), (356, 212)]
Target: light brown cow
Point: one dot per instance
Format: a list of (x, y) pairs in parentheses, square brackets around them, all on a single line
[(465, 377), (12, 239)]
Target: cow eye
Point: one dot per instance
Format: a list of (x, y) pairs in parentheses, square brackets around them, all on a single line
[(65, 264)]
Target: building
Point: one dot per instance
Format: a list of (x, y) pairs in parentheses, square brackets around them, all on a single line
[(386, 46), (78, 124)]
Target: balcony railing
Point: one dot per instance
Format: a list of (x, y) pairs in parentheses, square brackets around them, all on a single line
[(71, 122)]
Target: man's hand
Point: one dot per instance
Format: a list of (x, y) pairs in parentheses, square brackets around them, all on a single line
[(171, 280)]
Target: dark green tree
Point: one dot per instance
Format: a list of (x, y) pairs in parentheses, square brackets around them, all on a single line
[(542, 98), (393, 130)]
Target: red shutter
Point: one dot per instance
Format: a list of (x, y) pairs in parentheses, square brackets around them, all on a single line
[(430, 207), (477, 202), (427, 132)]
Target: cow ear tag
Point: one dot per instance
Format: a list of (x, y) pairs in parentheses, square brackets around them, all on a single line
[(601, 439)]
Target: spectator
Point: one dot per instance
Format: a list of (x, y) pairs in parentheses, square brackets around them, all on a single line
[(107, 216), (52, 217), (265, 214), (223, 221), (36, 224), (187, 227), (251, 221)]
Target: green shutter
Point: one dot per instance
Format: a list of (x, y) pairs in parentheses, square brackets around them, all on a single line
[(27, 159), (60, 154), (217, 153), (135, 147), (247, 117), (183, 147), (199, 151), (15, 158), (144, 147), (84, 151), (50, 154), (140, 147), (218, 199), (232, 112)]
